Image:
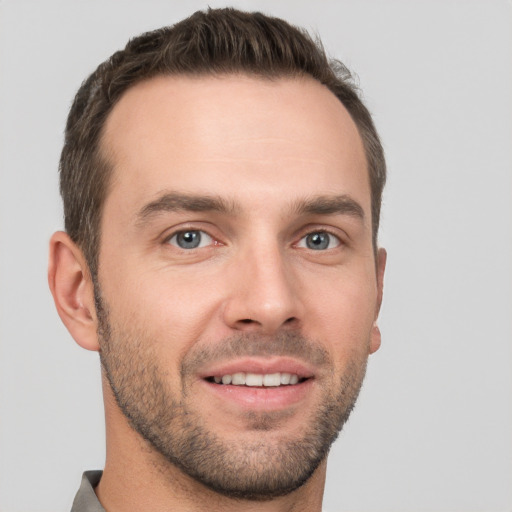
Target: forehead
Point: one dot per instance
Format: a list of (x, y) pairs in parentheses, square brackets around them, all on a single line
[(224, 135)]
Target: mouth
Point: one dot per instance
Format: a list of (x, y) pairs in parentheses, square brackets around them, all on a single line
[(259, 384), (257, 380)]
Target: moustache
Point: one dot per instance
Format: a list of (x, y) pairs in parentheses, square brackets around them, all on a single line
[(284, 344)]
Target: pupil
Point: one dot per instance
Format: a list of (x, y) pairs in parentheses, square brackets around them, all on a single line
[(189, 239), (318, 241)]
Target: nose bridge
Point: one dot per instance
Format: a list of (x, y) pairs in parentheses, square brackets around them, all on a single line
[(264, 293)]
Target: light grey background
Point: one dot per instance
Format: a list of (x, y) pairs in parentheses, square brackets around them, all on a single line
[(433, 427)]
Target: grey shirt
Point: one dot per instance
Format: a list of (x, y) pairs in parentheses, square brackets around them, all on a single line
[(85, 499)]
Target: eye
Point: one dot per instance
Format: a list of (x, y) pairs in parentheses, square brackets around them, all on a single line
[(190, 239), (319, 241)]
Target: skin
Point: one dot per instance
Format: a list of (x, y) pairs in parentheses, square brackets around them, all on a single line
[(262, 147)]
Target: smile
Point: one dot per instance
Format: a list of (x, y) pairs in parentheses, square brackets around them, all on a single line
[(257, 379), (258, 383)]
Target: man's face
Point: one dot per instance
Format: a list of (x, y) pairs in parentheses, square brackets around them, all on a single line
[(237, 280)]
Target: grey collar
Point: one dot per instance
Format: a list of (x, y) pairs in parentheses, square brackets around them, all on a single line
[(85, 499)]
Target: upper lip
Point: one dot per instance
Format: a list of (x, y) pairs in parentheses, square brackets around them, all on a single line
[(264, 366)]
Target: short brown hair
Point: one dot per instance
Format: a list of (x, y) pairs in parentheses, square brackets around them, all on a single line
[(218, 41)]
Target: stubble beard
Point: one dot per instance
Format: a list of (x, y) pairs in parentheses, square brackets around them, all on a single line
[(267, 466)]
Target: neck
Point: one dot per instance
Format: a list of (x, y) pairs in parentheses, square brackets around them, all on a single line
[(137, 477)]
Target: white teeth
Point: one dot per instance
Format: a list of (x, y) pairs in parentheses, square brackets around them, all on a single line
[(253, 379), (285, 378), (258, 380), (238, 379), (272, 379)]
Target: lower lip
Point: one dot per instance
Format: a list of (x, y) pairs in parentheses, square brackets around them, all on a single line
[(261, 398)]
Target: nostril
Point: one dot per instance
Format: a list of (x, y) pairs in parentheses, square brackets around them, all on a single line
[(249, 323)]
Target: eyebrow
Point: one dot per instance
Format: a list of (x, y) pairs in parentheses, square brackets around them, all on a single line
[(330, 205), (175, 202)]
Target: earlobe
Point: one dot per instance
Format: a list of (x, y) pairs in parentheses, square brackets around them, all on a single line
[(375, 339), (72, 289)]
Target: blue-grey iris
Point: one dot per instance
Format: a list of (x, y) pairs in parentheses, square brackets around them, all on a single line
[(188, 239), (318, 241)]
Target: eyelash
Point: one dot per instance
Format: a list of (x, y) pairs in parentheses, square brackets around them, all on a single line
[(212, 241), (331, 236), (202, 233)]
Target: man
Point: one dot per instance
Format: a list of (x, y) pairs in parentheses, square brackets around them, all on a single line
[(222, 185)]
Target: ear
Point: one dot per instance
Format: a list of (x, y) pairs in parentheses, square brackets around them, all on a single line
[(375, 339), (72, 289)]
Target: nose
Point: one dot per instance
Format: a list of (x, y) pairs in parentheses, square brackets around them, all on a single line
[(263, 295)]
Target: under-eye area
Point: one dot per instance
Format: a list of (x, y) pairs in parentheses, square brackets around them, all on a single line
[(258, 379)]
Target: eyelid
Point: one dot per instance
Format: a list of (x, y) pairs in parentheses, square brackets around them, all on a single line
[(310, 229), (174, 231), (202, 242), (318, 231)]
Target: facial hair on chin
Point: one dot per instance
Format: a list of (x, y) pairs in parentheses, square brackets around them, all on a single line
[(259, 470)]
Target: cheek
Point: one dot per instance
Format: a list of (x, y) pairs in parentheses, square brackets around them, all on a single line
[(343, 315), (170, 311)]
